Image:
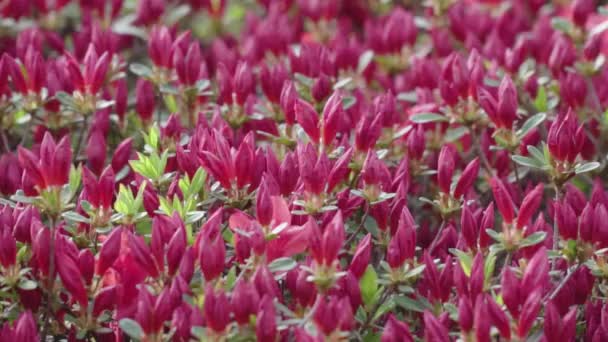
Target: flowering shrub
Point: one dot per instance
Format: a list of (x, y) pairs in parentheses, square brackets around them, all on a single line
[(298, 170)]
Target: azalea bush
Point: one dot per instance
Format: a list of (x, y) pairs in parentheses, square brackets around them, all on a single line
[(298, 170)]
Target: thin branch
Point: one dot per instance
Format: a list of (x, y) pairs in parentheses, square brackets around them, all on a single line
[(352, 237)]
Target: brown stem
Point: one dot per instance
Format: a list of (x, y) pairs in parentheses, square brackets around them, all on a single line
[(359, 228), (51, 285), (436, 238), (569, 275), (555, 227)]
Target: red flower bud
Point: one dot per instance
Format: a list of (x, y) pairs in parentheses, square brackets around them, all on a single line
[(244, 302), (68, 270), (212, 249), (362, 257), (289, 97), (528, 313), (529, 206), (506, 109), (433, 329), (502, 199), (96, 151), (308, 118), (467, 178), (263, 204), (266, 326), (396, 331), (445, 168), (216, 309), (8, 248), (465, 314), (145, 103)]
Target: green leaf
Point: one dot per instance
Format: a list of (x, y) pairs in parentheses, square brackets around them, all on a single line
[(561, 24), (427, 117), (131, 328), (369, 285), (364, 60), (527, 161), (453, 134), (488, 267), (282, 265), (305, 80), (65, 99), (75, 217), (494, 234), (533, 239), (202, 85), (541, 100), (587, 167), (342, 83), (410, 304), (170, 103), (536, 153), (75, 178), (26, 284), (466, 261), (414, 272), (532, 122), (348, 101), (408, 97), (140, 70)]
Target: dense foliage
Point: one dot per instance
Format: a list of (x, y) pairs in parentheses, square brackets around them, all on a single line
[(303, 170)]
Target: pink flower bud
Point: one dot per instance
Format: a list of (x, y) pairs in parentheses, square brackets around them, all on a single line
[(362, 257), (445, 168), (529, 206), (308, 118), (216, 309), (145, 102), (266, 326), (244, 302), (467, 178), (396, 331), (503, 199)]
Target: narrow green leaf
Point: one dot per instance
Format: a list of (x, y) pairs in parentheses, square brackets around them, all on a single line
[(526, 161), (427, 117), (282, 265), (587, 167), (532, 122), (364, 60), (140, 70), (533, 239)]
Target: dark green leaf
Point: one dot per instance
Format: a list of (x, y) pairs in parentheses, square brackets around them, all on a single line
[(410, 304)]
